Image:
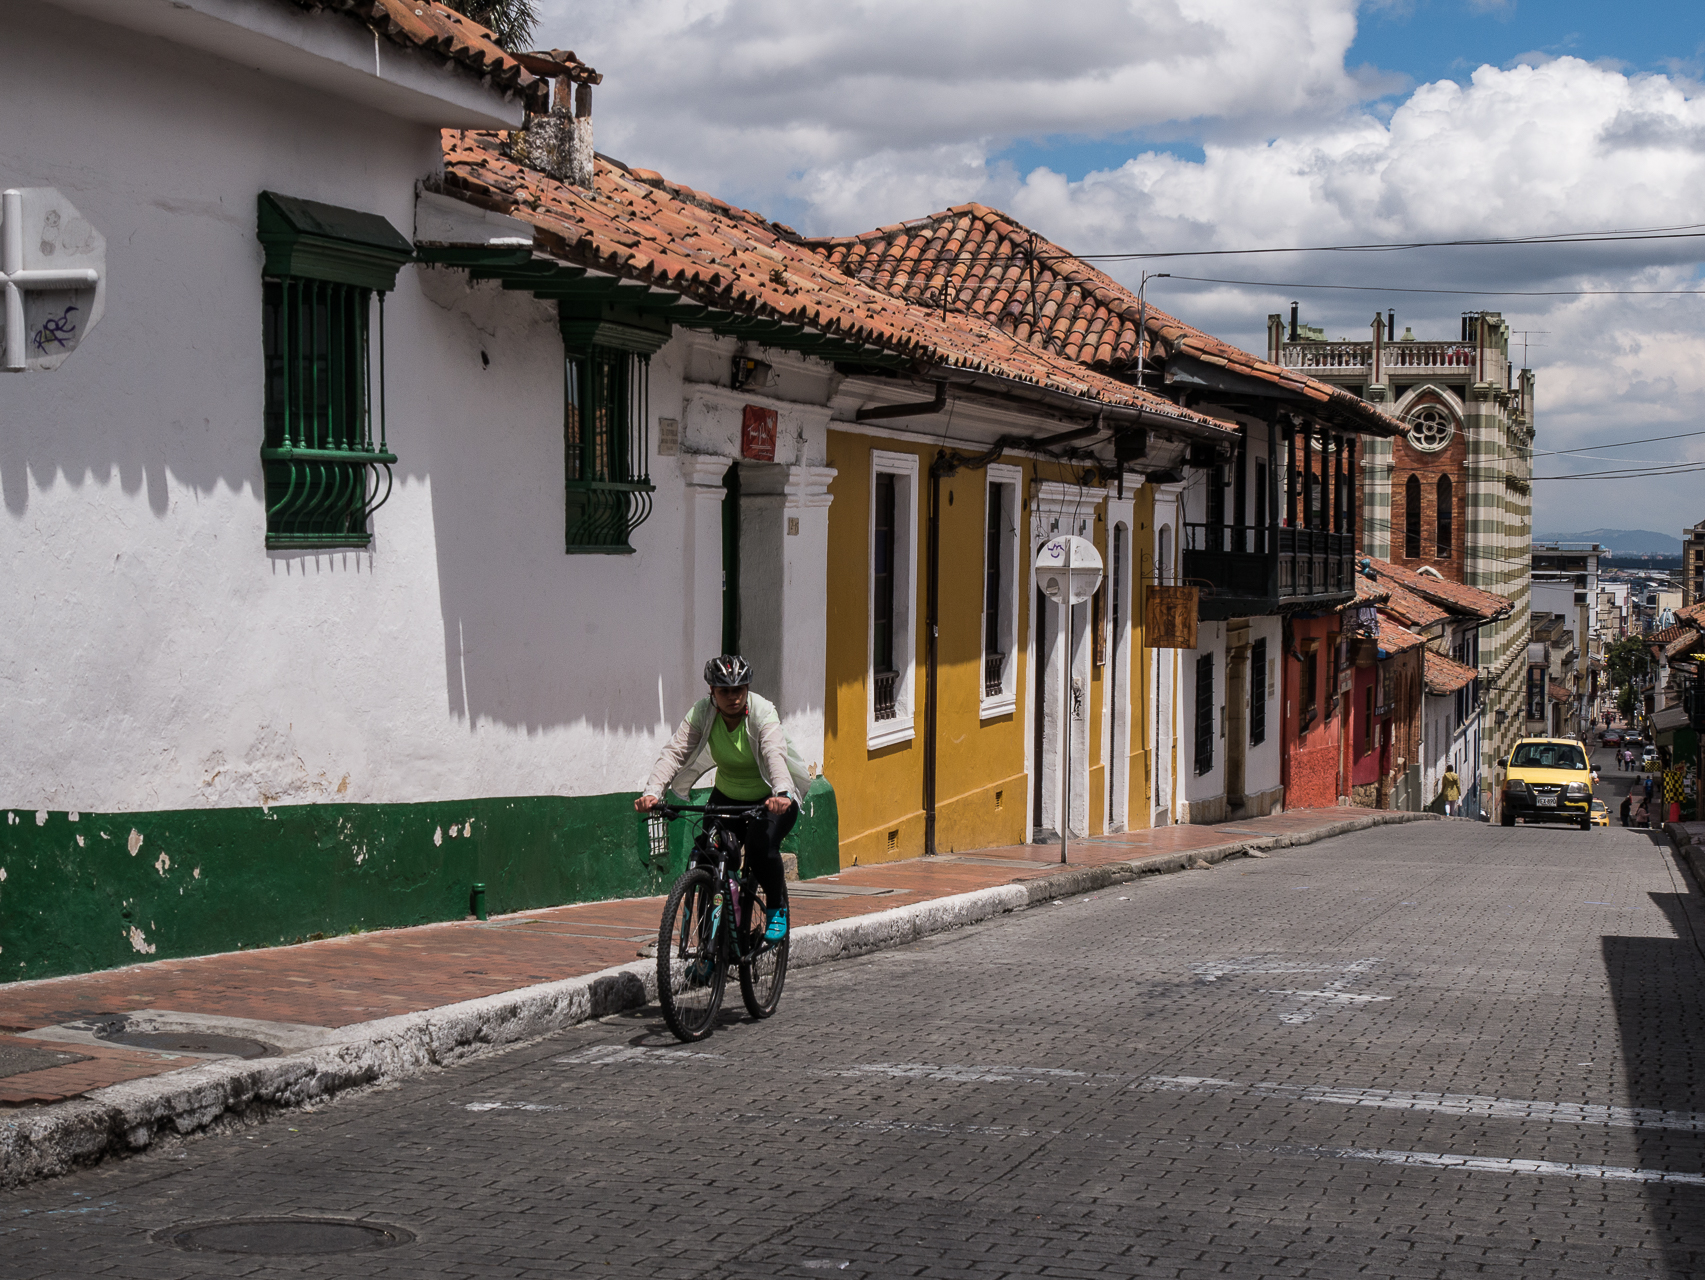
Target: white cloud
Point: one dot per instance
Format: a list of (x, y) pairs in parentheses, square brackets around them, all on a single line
[(844, 116)]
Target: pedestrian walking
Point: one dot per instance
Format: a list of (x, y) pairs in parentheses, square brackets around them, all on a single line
[(1450, 787), (1627, 807)]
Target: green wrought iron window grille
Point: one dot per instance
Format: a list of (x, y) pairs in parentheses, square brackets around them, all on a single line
[(325, 474), (323, 467), (606, 444)]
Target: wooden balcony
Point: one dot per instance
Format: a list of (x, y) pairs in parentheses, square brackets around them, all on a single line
[(1245, 571)]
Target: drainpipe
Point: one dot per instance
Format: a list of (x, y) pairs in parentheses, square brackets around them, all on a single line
[(932, 627)]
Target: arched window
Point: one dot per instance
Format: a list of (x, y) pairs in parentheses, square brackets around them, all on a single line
[(1445, 540), (1412, 517)]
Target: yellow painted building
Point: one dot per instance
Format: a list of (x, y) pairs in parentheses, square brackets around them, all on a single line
[(995, 724)]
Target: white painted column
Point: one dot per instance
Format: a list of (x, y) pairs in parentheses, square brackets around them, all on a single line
[(784, 597), (703, 559)]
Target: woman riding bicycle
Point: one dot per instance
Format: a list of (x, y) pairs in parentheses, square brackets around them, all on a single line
[(742, 737)]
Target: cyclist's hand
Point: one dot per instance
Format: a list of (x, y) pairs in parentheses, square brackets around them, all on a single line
[(778, 804), (647, 803)]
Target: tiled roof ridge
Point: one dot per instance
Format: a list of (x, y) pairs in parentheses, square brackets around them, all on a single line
[(1067, 268), (1416, 610), (1447, 674), (1396, 637), (436, 28), (635, 223), (1455, 596)]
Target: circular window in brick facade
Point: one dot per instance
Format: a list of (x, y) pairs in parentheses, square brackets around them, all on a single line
[(1430, 428)]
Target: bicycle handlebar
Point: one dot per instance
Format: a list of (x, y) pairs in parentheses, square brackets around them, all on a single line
[(673, 811)]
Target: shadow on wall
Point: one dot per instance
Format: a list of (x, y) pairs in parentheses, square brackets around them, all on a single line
[(1658, 988), (41, 450)]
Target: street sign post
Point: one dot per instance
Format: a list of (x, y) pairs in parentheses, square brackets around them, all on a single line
[(1068, 569)]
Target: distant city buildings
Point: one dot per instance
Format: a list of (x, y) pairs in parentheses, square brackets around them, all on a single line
[(1693, 564)]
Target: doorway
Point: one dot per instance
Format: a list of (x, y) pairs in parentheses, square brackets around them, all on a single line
[(1236, 711)]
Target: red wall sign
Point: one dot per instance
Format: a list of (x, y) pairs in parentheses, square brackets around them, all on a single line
[(758, 434)]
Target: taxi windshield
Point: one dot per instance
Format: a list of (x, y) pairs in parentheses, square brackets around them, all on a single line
[(1548, 755)]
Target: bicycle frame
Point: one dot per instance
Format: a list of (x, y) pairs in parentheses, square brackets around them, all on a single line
[(731, 936)]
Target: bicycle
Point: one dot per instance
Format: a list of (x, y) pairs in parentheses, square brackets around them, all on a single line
[(708, 922)]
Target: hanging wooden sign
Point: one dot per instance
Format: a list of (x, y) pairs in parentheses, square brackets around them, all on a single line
[(1171, 620), (758, 434)]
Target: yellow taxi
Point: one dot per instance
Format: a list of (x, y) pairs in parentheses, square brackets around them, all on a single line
[(1548, 780), (1600, 813)]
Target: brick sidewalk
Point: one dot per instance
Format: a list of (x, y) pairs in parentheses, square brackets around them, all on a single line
[(339, 982)]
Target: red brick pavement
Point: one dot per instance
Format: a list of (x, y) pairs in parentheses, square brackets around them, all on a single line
[(340, 981)]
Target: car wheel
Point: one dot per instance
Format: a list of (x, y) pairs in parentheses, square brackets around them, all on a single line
[(1509, 819), (1586, 824)]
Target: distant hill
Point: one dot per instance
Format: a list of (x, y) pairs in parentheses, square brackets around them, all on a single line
[(1627, 542)]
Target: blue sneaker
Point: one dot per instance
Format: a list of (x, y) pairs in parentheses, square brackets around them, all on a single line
[(776, 930)]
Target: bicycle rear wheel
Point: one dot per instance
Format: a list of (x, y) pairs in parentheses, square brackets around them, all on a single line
[(761, 979), (691, 970)]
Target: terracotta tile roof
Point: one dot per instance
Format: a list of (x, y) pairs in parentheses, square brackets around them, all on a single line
[(638, 225), (1411, 609), (1672, 632), (979, 262), (1369, 592), (1394, 639), (1558, 692), (1684, 643), (1694, 613), (1445, 675), (429, 25), (1453, 596)]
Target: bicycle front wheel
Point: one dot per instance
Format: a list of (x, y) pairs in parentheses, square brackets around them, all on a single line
[(761, 978), (691, 970)]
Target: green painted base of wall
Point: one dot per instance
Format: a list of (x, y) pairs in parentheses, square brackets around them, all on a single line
[(81, 892)]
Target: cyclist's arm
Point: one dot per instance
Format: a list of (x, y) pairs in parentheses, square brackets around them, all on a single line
[(772, 751), (670, 761)]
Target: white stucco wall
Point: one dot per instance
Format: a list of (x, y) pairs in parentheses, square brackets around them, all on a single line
[(156, 654)]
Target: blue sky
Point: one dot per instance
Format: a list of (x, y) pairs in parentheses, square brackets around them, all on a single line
[(1419, 41)]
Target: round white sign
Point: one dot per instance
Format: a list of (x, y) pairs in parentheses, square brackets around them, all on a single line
[(1084, 575)]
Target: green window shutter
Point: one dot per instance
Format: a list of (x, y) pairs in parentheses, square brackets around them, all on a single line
[(314, 241)]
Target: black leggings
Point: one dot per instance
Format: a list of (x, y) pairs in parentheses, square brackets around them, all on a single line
[(763, 837)]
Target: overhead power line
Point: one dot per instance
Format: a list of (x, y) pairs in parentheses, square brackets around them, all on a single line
[(1690, 231), (1289, 285), (1585, 448)]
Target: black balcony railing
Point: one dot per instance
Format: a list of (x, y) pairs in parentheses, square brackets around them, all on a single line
[(1253, 570), (994, 673)]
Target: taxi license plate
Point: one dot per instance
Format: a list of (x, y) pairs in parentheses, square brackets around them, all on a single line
[(1546, 802)]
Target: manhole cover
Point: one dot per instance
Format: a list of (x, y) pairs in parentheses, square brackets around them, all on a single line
[(190, 1042), (286, 1236)]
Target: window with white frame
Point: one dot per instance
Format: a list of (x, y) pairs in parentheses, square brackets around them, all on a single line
[(1000, 590), (892, 556)]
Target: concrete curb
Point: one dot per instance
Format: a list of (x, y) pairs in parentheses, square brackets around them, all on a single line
[(126, 1118), (1689, 841)]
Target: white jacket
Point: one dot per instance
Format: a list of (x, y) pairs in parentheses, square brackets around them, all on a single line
[(686, 758)]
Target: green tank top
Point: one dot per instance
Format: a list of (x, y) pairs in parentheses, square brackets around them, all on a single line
[(737, 773)]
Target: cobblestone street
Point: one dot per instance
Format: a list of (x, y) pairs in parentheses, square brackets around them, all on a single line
[(1431, 1050)]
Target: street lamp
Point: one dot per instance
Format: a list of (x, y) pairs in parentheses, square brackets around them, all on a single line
[(1143, 313)]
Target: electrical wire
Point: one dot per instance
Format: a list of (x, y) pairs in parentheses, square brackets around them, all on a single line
[(1474, 293), (1627, 475), (1684, 231), (1685, 435)]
